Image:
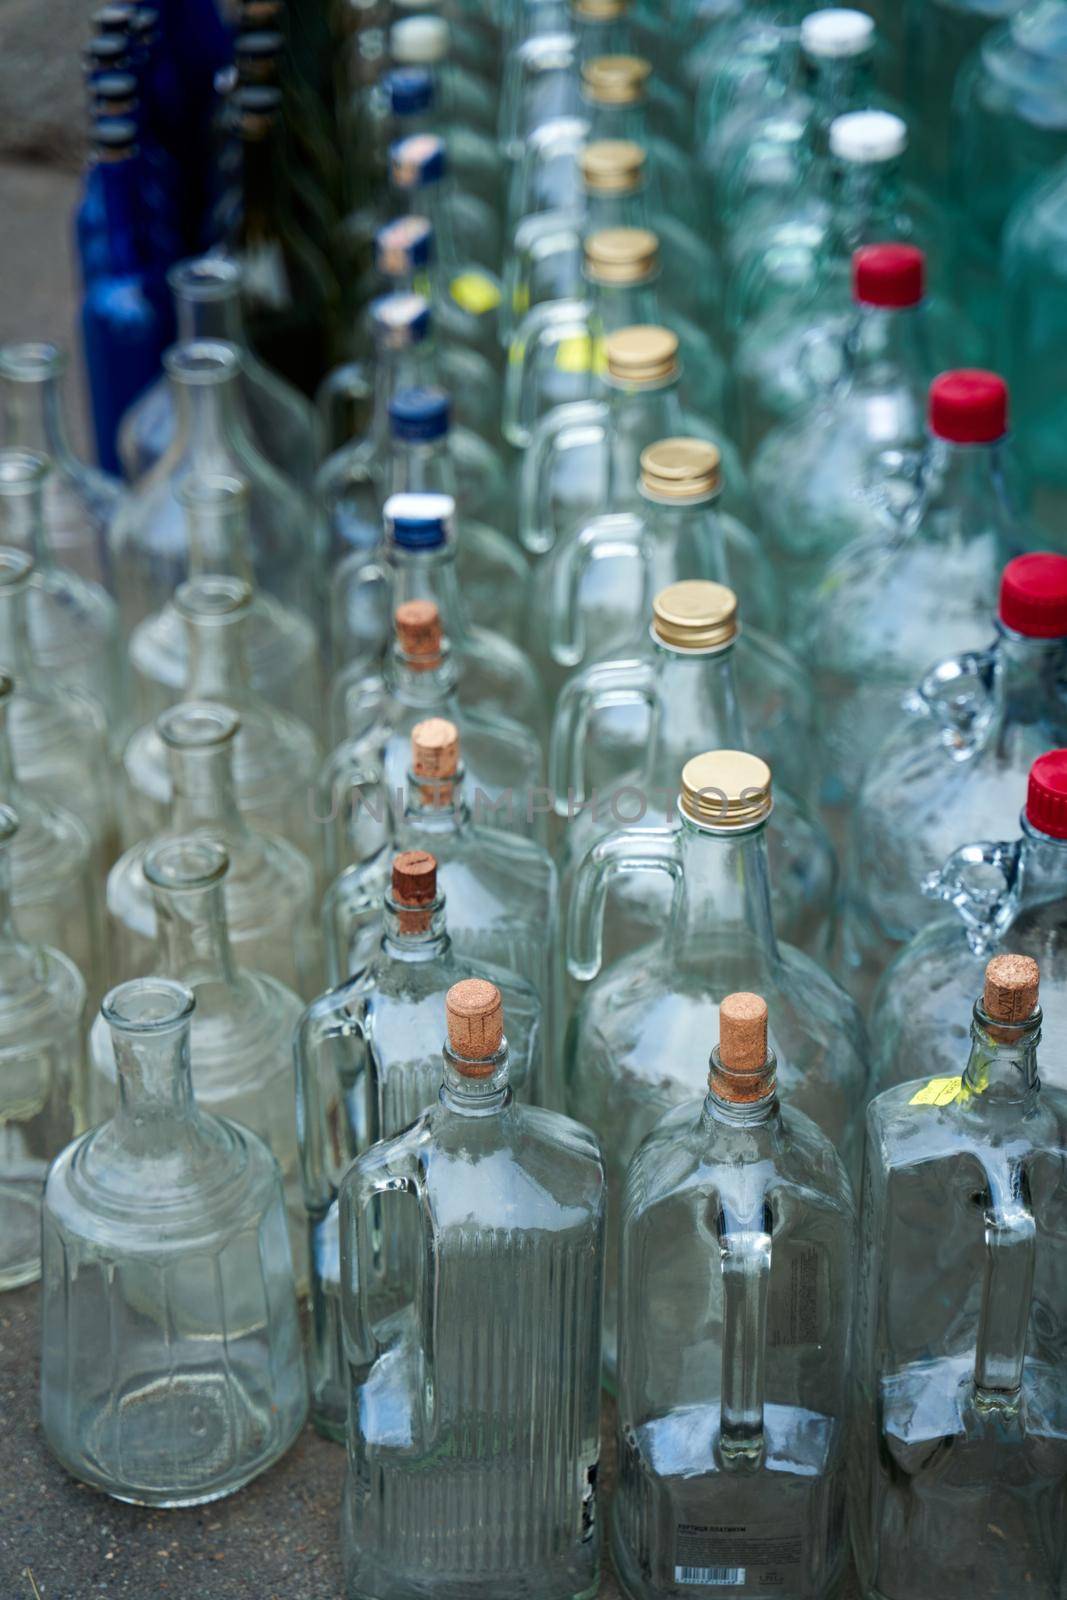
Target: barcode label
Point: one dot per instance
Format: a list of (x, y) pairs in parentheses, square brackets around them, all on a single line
[(719, 1577)]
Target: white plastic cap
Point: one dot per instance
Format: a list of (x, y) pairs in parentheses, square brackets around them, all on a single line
[(868, 136), (419, 41), (836, 33)]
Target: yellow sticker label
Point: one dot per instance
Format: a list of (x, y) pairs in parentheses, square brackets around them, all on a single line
[(476, 293), (938, 1092), (580, 353)]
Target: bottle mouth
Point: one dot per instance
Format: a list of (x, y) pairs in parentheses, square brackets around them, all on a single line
[(32, 362), (148, 1005), (205, 278), (16, 569), (189, 863), (197, 726), (202, 361), (22, 472), (212, 597)]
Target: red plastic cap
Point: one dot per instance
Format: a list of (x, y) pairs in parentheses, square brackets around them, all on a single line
[(891, 275), (1033, 596), (1046, 798), (969, 406)]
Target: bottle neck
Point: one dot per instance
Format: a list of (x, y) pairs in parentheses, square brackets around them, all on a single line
[(864, 207), (154, 1077), (741, 1100), (887, 347), (835, 86), (394, 369), (964, 493), (18, 963), (422, 468), (192, 937), (207, 414), (1042, 872), (639, 416), (218, 668), (418, 686), (15, 633), (625, 305), (430, 200), (628, 210), (264, 186), (22, 524), (202, 790), (485, 1095), (725, 891), (216, 317), (1031, 674), (1001, 1070), (219, 546), (431, 575), (414, 934), (435, 806), (696, 708), (32, 410)]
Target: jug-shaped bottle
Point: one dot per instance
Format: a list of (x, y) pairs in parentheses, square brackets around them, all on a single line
[(626, 1058), (957, 1370), (368, 1061), (172, 1370), (510, 1221), (42, 1072), (939, 35), (734, 1339)]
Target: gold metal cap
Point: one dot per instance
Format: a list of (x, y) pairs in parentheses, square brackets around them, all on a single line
[(681, 469), (695, 615), (615, 80), (599, 10), (612, 166), (621, 255), (641, 354), (726, 789)]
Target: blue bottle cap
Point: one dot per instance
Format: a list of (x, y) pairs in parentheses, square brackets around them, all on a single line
[(400, 320), (419, 521), (417, 161), (403, 247), (419, 415), (410, 91)]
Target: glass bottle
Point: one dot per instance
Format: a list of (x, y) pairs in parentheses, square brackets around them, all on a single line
[(735, 1324), (581, 452), (73, 623), (626, 1061), (58, 734), (276, 757), (465, 96), (961, 754), (823, 478), (42, 1072), (172, 1370), (939, 36), (557, 353), (502, 888), (419, 562), (507, 1240), (240, 1038), (148, 541), (368, 1062), (79, 500), (680, 689), (1002, 896), (375, 715), (928, 573), (270, 887), (593, 591), (281, 646), (960, 1296), (283, 424)]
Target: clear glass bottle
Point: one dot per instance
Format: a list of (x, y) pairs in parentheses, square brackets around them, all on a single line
[(928, 573), (507, 1240), (680, 689), (80, 501), (939, 35), (419, 562), (368, 1062), (276, 757), (465, 94), (824, 477), (148, 540), (957, 1365), (281, 647), (42, 1072), (270, 887), (580, 452), (626, 1060), (172, 1369), (240, 1039), (593, 591), (283, 424), (502, 888), (961, 753), (73, 623), (1004, 895), (376, 713), (735, 1324)]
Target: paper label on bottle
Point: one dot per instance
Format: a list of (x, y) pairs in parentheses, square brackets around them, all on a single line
[(793, 1309), (474, 292), (580, 353), (938, 1092), (735, 1555)]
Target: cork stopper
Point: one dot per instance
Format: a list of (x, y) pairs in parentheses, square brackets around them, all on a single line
[(739, 1068), (1011, 988), (611, 166), (414, 889), (642, 354), (621, 255), (418, 633), (680, 469), (435, 755), (475, 1014), (695, 615)]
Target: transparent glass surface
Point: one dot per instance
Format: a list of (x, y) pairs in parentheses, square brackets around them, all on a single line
[(628, 1054), (269, 892), (736, 1286), (283, 423), (368, 1061), (80, 500), (172, 1370), (482, 1393), (959, 1456), (939, 35), (42, 1073)]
